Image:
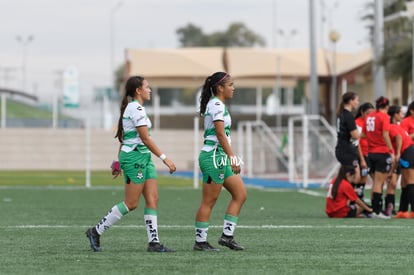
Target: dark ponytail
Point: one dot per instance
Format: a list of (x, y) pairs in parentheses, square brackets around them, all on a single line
[(409, 109), (392, 110), (363, 108), (346, 98), (381, 102), (210, 88), (345, 169), (131, 85)]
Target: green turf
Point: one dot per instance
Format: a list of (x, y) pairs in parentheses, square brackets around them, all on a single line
[(284, 231)]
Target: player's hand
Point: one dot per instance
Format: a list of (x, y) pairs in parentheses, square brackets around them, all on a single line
[(170, 165), (235, 165), (116, 169)]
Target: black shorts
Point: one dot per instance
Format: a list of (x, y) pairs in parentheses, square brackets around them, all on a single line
[(352, 211), (347, 158), (379, 162)]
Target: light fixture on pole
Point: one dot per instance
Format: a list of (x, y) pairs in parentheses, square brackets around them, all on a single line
[(287, 35), (24, 42), (112, 41), (327, 12), (334, 37)]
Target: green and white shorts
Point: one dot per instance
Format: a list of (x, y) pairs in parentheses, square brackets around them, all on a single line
[(215, 166), (137, 167)]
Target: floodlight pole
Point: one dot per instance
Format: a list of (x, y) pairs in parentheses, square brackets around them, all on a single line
[(314, 92), (24, 42), (379, 73)]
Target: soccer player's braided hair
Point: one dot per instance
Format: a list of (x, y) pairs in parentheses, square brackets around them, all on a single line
[(210, 88), (341, 175), (131, 86)]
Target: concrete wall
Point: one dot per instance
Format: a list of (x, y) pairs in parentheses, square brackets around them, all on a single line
[(65, 149)]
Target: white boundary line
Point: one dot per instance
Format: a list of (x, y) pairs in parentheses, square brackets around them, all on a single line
[(48, 226)]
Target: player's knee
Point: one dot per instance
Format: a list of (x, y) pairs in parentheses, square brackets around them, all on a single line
[(131, 205)]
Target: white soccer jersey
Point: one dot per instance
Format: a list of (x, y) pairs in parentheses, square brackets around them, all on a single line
[(134, 116), (215, 110)]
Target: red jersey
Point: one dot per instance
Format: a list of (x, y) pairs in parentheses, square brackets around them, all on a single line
[(396, 130), (362, 140), (338, 207), (408, 124), (376, 123)]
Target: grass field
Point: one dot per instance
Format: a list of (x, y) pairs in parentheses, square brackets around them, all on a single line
[(44, 216)]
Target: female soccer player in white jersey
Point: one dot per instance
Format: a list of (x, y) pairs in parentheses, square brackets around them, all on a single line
[(218, 163), (139, 170)]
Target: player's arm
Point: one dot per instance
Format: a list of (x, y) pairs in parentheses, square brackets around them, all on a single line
[(116, 168), (355, 134), (361, 204), (361, 157), (147, 140), (222, 139)]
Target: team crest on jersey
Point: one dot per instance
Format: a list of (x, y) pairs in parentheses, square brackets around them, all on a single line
[(140, 175)]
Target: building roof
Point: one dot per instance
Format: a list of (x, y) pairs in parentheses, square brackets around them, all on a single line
[(188, 67)]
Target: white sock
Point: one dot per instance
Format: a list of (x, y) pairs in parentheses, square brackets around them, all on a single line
[(114, 215), (151, 224), (229, 225), (201, 231)]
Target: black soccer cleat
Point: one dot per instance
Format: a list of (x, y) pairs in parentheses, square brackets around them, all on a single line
[(204, 246), (157, 247), (230, 243), (93, 237)]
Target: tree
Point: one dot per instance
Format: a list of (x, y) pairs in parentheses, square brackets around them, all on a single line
[(237, 35), (397, 54), (190, 36)]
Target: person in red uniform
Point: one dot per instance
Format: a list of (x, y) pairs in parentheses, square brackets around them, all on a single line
[(380, 151), (400, 141), (363, 110), (404, 151), (341, 199), (407, 123)]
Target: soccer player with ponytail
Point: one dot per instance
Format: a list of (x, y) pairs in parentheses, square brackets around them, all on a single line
[(219, 165), (404, 155), (135, 160), (381, 154), (363, 111), (341, 199)]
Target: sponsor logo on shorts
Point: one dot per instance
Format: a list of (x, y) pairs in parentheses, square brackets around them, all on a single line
[(223, 160), (140, 175)]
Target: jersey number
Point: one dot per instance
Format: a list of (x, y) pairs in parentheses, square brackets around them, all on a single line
[(370, 124)]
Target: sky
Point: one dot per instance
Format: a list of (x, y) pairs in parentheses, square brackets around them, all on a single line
[(77, 33)]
